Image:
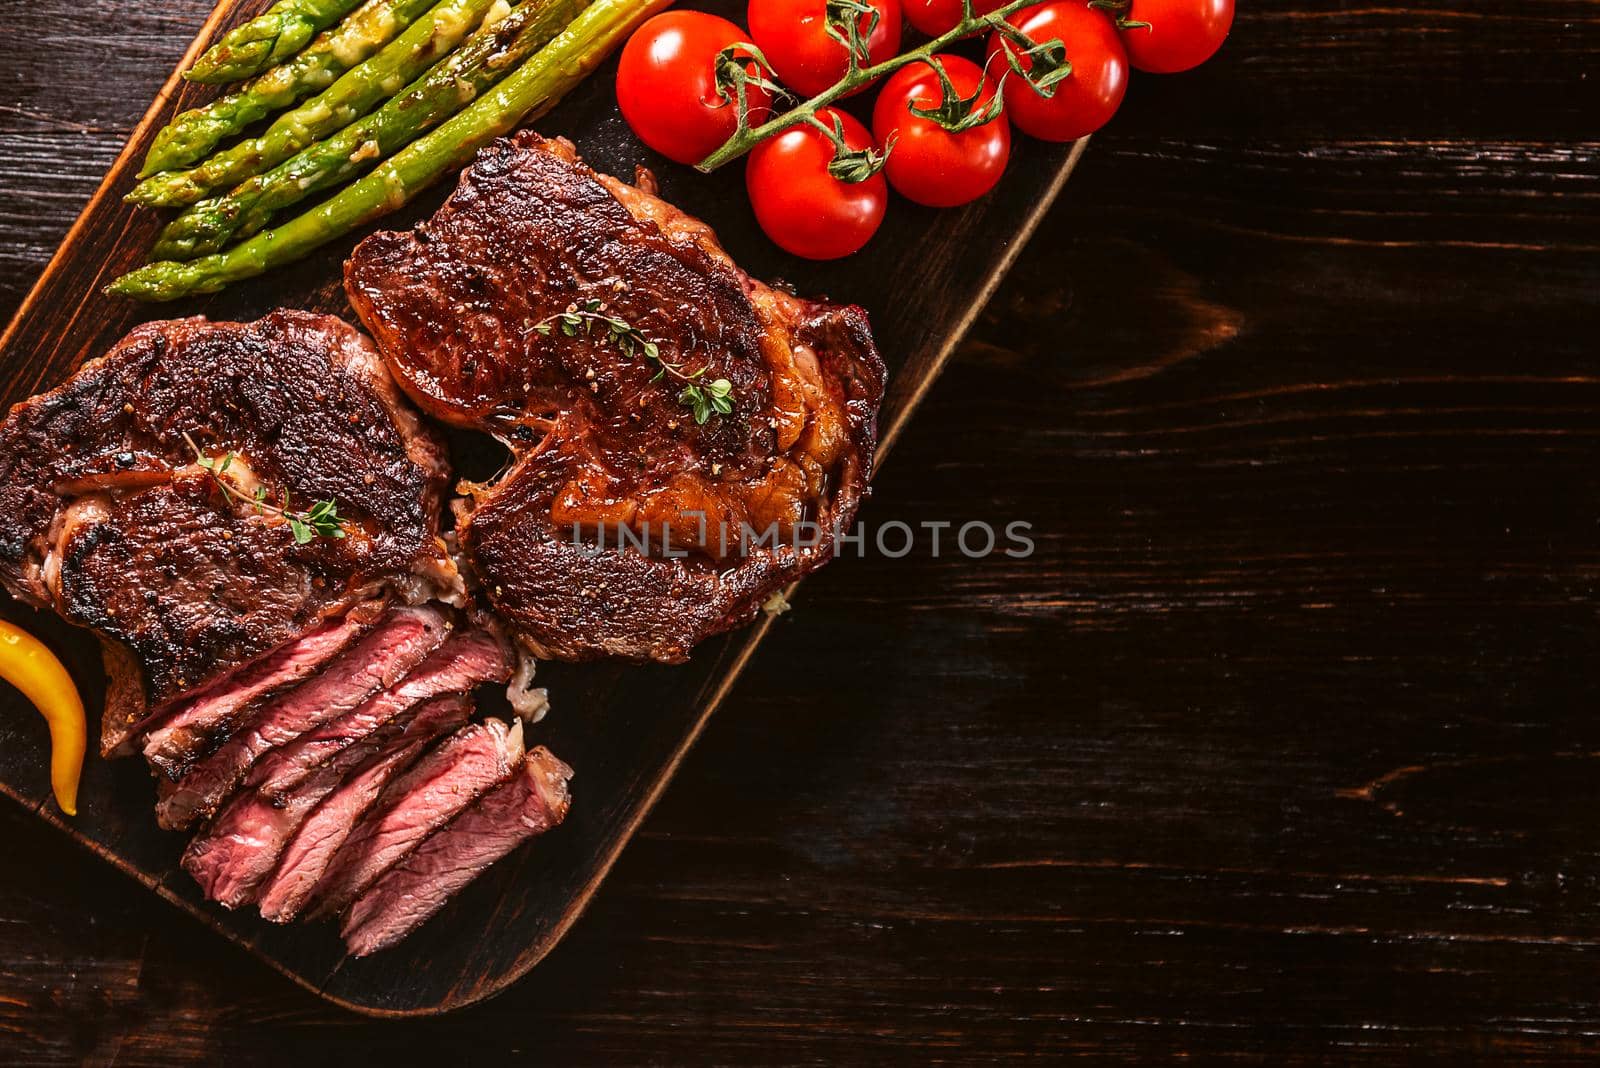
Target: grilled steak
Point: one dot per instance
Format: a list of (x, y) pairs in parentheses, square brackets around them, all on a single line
[(242, 845), (409, 893), (464, 310), (443, 783), (378, 661), (107, 517), (459, 665)]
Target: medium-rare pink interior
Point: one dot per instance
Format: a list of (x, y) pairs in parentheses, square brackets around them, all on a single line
[(243, 845), (470, 763), (418, 886), (395, 645)]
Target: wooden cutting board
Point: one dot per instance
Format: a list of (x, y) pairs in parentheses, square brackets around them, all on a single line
[(625, 728)]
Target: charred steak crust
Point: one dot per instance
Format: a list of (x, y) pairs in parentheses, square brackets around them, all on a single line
[(599, 442), (106, 517)]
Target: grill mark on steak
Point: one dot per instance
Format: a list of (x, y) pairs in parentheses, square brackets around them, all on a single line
[(597, 443), (242, 844), (379, 660), (415, 889), (460, 664), (464, 767), (106, 518)]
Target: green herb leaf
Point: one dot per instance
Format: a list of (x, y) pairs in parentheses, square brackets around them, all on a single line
[(631, 342)]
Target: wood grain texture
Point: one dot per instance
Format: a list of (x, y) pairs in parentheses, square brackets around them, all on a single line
[(629, 726), (1281, 747)]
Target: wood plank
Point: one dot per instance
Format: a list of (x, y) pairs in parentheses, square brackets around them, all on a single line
[(625, 728)]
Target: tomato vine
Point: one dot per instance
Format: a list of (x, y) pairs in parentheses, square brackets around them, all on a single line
[(1047, 65)]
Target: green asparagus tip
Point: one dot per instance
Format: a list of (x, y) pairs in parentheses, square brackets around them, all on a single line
[(164, 189), (234, 63), (151, 283)]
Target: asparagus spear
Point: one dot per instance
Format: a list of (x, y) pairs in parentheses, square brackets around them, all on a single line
[(529, 92), (194, 133), (266, 40), (356, 93), (211, 225)]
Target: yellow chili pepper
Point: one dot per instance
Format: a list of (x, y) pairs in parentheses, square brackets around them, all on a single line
[(26, 664)]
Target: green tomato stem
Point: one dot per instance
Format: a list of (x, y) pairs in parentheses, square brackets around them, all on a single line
[(855, 78)]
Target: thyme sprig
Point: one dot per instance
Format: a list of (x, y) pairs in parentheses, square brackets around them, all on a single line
[(322, 519), (583, 317), (1048, 65)]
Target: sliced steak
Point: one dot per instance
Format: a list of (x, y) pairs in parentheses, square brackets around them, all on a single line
[(463, 309), (107, 517), (443, 783), (317, 843), (409, 893), (459, 665), (242, 845), (219, 710), (377, 662), (220, 706)]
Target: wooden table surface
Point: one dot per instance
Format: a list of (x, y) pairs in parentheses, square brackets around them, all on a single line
[(1283, 745)]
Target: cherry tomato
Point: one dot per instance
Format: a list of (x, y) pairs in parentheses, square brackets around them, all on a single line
[(934, 17), (667, 85), (1182, 33), (793, 34), (929, 164), (802, 207), (1084, 99)]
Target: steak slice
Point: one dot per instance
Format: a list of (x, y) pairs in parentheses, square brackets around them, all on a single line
[(443, 783), (463, 310), (242, 845), (377, 662), (204, 721), (319, 840), (219, 708), (416, 888), (459, 665), (107, 517)]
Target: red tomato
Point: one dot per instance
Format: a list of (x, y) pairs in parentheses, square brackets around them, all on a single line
[(1182, 33), (793, 34), (929, 164), (934, 17), (1084, 99), (667, 85), (802, 207)]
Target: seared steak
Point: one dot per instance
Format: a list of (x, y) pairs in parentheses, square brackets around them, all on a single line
[(465, 310), (413, 890), (443, 783), (242, 845), (378, 661), (461, 664), (107, 517)]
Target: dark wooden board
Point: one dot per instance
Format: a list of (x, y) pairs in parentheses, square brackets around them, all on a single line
[(624, 727)]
